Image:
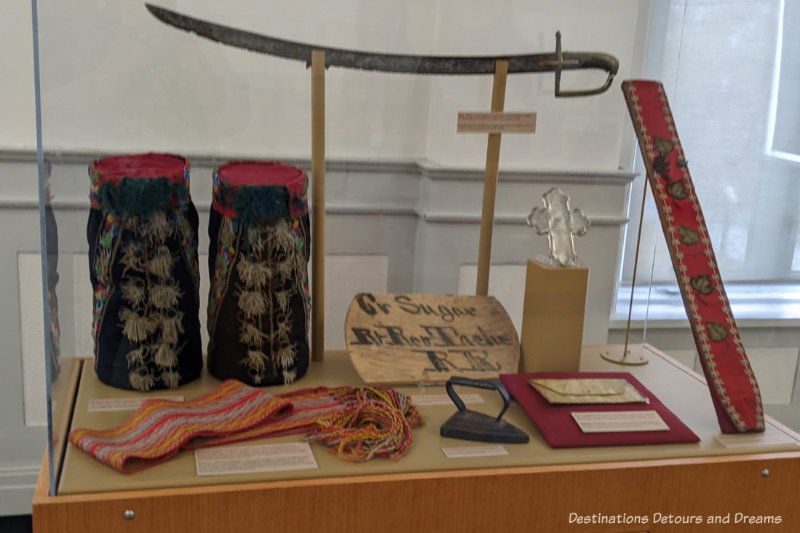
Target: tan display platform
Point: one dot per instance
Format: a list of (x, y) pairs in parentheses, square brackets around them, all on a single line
[(552, 317), (532, 488)]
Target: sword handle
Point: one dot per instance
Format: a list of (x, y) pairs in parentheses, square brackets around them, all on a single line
[(581, 61)]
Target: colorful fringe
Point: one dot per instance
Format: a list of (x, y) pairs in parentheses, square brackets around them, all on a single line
[(377, 423), (359, 423)]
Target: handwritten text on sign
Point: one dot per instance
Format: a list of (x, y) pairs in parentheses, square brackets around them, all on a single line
[(408, 338)]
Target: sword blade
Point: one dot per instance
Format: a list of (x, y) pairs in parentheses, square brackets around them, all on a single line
[(376, 61)]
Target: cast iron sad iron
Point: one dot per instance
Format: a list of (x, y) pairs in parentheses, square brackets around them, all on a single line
[(471, 425)]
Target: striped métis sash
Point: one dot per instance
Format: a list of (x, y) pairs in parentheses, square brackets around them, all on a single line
[(733, 386), (359, 423)]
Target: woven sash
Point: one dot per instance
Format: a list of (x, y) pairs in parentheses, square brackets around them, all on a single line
[(358, 422), (733, 386)]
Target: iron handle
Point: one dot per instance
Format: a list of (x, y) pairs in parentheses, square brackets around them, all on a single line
[(478, 384)]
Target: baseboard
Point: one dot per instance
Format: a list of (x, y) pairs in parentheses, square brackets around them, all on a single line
[(16, 489)]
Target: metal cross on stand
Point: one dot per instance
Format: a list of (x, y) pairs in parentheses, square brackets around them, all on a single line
[(560, 224)]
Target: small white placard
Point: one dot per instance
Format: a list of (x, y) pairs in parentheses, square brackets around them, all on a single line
[(619, 421), (755, 440), (253, 459), (474, 451), (496, 122), (444, 399), (125, 404)]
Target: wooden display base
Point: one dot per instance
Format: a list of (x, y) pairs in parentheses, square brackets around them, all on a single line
[(532, 488), (552, 318)]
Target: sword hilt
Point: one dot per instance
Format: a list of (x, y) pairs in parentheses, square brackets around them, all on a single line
[(580, 61)]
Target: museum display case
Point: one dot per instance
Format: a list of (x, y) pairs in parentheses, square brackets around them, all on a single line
[(342, 205)]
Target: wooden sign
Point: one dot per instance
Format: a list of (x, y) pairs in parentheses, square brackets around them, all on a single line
[(411, 338)]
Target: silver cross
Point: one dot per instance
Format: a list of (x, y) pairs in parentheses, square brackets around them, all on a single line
[(560, 224)]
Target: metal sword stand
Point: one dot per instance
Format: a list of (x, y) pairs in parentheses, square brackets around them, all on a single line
[(623, 358)]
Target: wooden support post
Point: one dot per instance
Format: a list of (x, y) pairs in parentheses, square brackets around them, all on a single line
[(317, 205), (490, 184)]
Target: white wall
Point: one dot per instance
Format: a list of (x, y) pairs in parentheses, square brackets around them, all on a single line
[(572, 133), (17, 127)]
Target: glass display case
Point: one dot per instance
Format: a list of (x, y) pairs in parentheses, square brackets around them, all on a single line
[(395, 202)]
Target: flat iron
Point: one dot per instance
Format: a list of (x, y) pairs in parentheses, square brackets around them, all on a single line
[(471, 425)]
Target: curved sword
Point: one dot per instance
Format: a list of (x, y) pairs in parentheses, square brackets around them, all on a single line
[(401, 63)]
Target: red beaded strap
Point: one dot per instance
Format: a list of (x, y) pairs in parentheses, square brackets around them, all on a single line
[(733, 386)]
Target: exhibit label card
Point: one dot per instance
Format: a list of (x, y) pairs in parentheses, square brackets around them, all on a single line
[(125, 404), (497, 122), (474, 451), (443, 399), (619, 421), (254, 459)]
